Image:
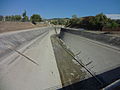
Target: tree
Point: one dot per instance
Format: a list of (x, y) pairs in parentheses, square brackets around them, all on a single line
[(8, 18), (25, 17), (112, 25), (74, 16), (24, 13), (55, 22), (17, 18), (99, 21), (35, 18), (1, 18), (13, 18), (73, 22), (117, 21)]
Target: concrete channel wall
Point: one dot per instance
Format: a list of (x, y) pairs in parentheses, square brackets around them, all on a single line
[(102, 60), (111, 40), (14, 40)]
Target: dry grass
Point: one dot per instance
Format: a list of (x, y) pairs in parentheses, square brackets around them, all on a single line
[(14, 26)]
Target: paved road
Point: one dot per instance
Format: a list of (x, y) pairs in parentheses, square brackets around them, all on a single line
[(98, 57), (33, 67)]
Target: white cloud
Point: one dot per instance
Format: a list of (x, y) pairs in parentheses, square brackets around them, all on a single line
[(113, 16)]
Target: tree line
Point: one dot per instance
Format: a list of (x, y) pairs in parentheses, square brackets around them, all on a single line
[(58, 21), (22, 18), (97, 22)]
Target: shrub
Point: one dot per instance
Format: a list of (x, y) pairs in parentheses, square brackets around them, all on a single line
[(35, 18)]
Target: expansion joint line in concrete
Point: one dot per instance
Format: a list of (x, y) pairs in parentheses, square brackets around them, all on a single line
[(28, 58)]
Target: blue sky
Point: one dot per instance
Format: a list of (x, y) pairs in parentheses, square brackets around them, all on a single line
[(59, 8)]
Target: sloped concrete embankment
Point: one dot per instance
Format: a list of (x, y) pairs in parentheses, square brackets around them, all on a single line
[(15, 40), (111, 40), (100, 59), (73, 75)]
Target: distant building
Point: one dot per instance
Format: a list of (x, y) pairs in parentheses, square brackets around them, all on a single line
[(113, 16)]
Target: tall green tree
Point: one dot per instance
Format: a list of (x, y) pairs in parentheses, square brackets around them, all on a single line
[(25, 17), (24, 13)]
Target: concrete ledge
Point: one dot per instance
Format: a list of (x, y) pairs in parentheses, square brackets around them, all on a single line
[(112, 40)]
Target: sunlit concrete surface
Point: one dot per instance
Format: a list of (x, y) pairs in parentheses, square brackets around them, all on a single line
[(96, 56), (34, 69)]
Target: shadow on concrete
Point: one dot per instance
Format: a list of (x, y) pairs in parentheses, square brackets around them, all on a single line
[(92, 84)]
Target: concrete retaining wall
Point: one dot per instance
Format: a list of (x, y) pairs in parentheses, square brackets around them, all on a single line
[(14, 40), (112, 40)]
